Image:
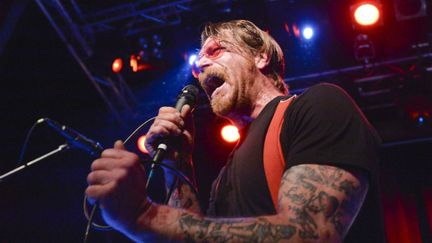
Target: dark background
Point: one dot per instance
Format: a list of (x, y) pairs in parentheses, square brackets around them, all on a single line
[(40, 78)]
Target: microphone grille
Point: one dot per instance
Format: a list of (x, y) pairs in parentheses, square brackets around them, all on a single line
[(191, 90)]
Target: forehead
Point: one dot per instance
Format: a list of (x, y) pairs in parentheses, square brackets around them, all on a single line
[(222, 35), (208, 42)]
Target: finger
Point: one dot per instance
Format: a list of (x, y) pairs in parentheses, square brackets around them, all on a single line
[(173, 117), (164, 125), (106, 164), (114, 153), (187, 116), (96, 192), (119, 145), (167, 109), (99, 177), (185, 111)]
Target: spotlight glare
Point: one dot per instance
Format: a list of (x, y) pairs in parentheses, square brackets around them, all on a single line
[(117, 65), (192, 59), (421, 120), (366, 14), (141, 144), (308, 33), (230, 133)]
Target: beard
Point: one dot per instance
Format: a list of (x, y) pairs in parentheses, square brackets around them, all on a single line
[(233, 101)]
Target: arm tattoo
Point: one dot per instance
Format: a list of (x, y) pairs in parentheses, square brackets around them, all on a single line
[(316, 202), (235, 230), (183, 197), (313, 193)]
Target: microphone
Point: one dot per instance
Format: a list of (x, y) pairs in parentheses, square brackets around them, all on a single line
[(74, 138), (187, 96)]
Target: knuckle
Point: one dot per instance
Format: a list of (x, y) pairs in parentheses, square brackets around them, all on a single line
[(95, 164), (106, 153), (90, 178), (122, 175), (134, 157), (92, 193)]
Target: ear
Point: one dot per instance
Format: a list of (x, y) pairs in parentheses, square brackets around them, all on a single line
[(262, 61)]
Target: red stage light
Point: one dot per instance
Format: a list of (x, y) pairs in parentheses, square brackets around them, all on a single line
[(296, 30), (141, 146), (230, 133), (366, 14), (117, 65), (137, 63)]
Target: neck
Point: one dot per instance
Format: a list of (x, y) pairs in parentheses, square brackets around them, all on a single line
[(263, 95)]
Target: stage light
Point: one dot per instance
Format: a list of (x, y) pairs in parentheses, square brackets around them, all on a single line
[(366, 14), (157, 40), (192, 59), (420, 120), (140, 62), (230, 133), (140, 144), (157, 53), (307, 33), (117, 65), (296, 31)]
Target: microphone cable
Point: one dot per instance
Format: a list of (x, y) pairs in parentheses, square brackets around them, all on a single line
[(27, 139), (90, 217)]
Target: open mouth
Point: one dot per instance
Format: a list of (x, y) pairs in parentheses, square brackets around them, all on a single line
[(212, 83)]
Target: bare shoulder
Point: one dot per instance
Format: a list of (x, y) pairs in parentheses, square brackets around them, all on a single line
[(322, 201)]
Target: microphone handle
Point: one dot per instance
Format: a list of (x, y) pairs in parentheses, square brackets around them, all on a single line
[(163, 147)]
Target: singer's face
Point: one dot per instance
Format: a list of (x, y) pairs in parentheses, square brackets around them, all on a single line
[(227, 75)]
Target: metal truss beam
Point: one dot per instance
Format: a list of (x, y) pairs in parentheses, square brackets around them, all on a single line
[(113, 90)]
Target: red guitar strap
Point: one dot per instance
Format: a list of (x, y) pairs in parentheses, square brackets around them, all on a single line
[(274, 161)]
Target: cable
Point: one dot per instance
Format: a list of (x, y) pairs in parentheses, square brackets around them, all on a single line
[(90, 217), (137, 129), (88, 225), (179, 174), (27, 139)]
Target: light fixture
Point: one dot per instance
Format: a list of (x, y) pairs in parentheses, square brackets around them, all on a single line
[(366, 14), (230, 133)]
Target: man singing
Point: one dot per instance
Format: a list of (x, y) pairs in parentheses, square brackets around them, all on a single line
[(327, 152)]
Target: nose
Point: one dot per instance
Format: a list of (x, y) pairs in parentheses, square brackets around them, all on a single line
[(203, 62)]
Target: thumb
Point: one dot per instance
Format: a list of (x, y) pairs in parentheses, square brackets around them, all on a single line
[(185, 111), (119, 145)]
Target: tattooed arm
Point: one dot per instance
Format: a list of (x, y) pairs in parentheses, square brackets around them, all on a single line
[(316, 203), (183, 196)]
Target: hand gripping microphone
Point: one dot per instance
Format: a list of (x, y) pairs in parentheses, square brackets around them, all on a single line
[(75, 139), (187, 96)]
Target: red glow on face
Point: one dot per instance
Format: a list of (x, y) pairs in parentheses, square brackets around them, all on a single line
[(212, 50), (230, 133), (141, 144), (366, 14), (117, 65), (195, 71)]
